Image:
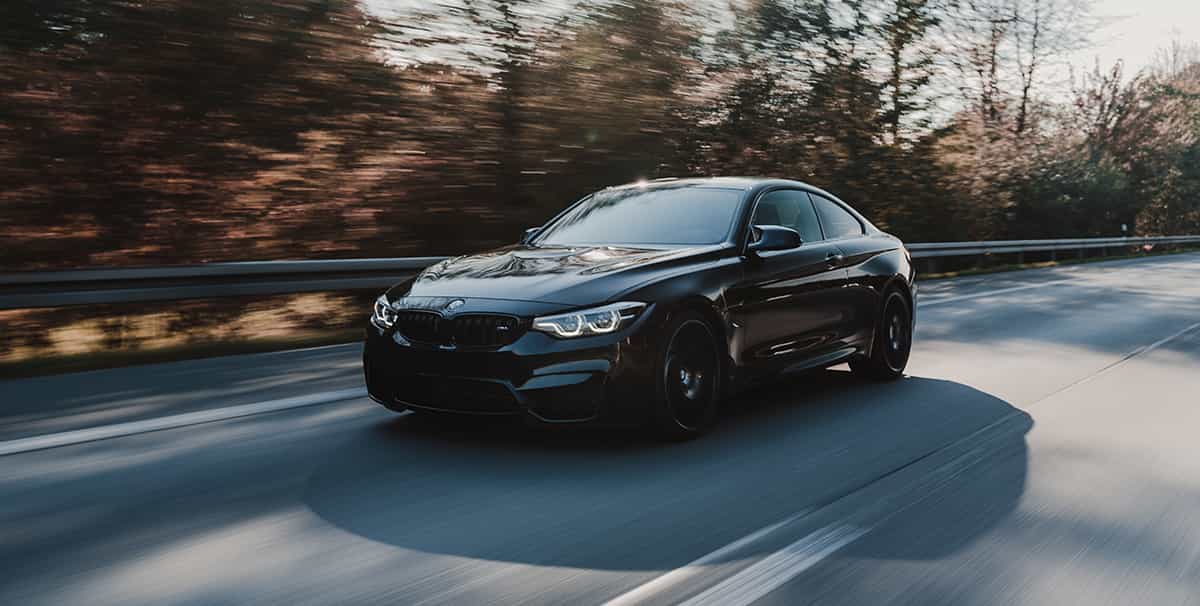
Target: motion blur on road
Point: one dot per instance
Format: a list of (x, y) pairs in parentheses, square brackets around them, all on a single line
[(216, 445), (1041, 450)]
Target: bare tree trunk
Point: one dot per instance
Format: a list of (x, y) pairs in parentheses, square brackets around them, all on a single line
[(1028, 70), (896, 84), (510, 80), (991, 79)]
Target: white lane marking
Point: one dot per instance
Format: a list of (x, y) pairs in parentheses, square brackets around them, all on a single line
[(660, 583), (117, 430), (1159, 343), (1125, 358), (1001, 291), (773, 571)]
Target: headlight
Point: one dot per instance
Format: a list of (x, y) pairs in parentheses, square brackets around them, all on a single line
[(587, 322), (384, 316)]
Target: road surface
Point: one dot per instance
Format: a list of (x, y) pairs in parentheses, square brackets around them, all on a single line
[(1044, 449)]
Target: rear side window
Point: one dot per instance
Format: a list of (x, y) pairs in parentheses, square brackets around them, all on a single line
[(836, 222), (789, 208)]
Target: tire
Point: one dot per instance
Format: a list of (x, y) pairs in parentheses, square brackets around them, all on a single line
[(688, 379), (892, 342)]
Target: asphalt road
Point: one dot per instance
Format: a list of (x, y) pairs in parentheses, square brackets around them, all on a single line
[(1043, 450)]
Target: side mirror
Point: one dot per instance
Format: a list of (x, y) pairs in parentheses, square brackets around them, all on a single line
[(773, 237), (529, 233)]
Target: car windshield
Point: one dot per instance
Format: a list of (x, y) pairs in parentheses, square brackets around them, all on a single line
[(657, 216)]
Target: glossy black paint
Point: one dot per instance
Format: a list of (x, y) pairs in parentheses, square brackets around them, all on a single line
[(769, 238), (807, 306)]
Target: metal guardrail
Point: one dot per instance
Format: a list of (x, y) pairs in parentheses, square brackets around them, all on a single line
[(27, 290), (959, 249)]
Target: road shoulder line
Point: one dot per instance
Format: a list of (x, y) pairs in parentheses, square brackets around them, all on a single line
[(104, 432)]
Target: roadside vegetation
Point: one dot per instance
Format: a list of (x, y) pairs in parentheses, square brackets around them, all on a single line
[(183, 131), (187, 131)]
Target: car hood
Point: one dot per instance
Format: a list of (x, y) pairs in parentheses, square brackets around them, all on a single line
[(568, 276)]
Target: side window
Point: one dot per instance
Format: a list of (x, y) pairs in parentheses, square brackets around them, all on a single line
[(836, 222), (789, 208)]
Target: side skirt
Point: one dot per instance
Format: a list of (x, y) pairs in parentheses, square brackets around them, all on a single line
[(822, 361)]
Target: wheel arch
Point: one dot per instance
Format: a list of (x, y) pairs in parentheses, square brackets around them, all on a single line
[(708, 310), (899, 284)]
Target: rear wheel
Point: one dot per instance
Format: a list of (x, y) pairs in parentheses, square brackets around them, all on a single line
[(689, 379), (892, 342)]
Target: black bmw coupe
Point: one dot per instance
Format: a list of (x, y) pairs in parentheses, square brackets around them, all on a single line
[(647, 303)]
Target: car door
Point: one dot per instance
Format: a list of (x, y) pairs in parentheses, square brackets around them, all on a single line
[(841, 227), (788, 304)]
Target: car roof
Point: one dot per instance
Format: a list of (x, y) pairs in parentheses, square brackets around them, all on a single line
[(749, 186), (742, 183)]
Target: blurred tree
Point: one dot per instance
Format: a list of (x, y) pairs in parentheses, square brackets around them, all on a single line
[(510, 45), (186, 131), (1043, 31), (613, 97), (910, 57), (158, 132), (977, 34)]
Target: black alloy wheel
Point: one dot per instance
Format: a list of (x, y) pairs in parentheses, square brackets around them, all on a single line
[(893, 341), (689, 379)]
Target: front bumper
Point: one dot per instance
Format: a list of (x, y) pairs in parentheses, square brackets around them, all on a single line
[(606, 378)]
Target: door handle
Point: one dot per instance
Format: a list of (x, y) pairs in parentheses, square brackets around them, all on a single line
[(834, 259)]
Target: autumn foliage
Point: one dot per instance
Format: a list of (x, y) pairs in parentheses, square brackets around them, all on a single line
[(184, 131)]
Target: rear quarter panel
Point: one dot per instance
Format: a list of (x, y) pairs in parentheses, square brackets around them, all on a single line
[(875, 263)]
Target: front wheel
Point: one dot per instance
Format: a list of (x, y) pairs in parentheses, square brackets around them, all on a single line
[(892, 342), (689, 379)]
